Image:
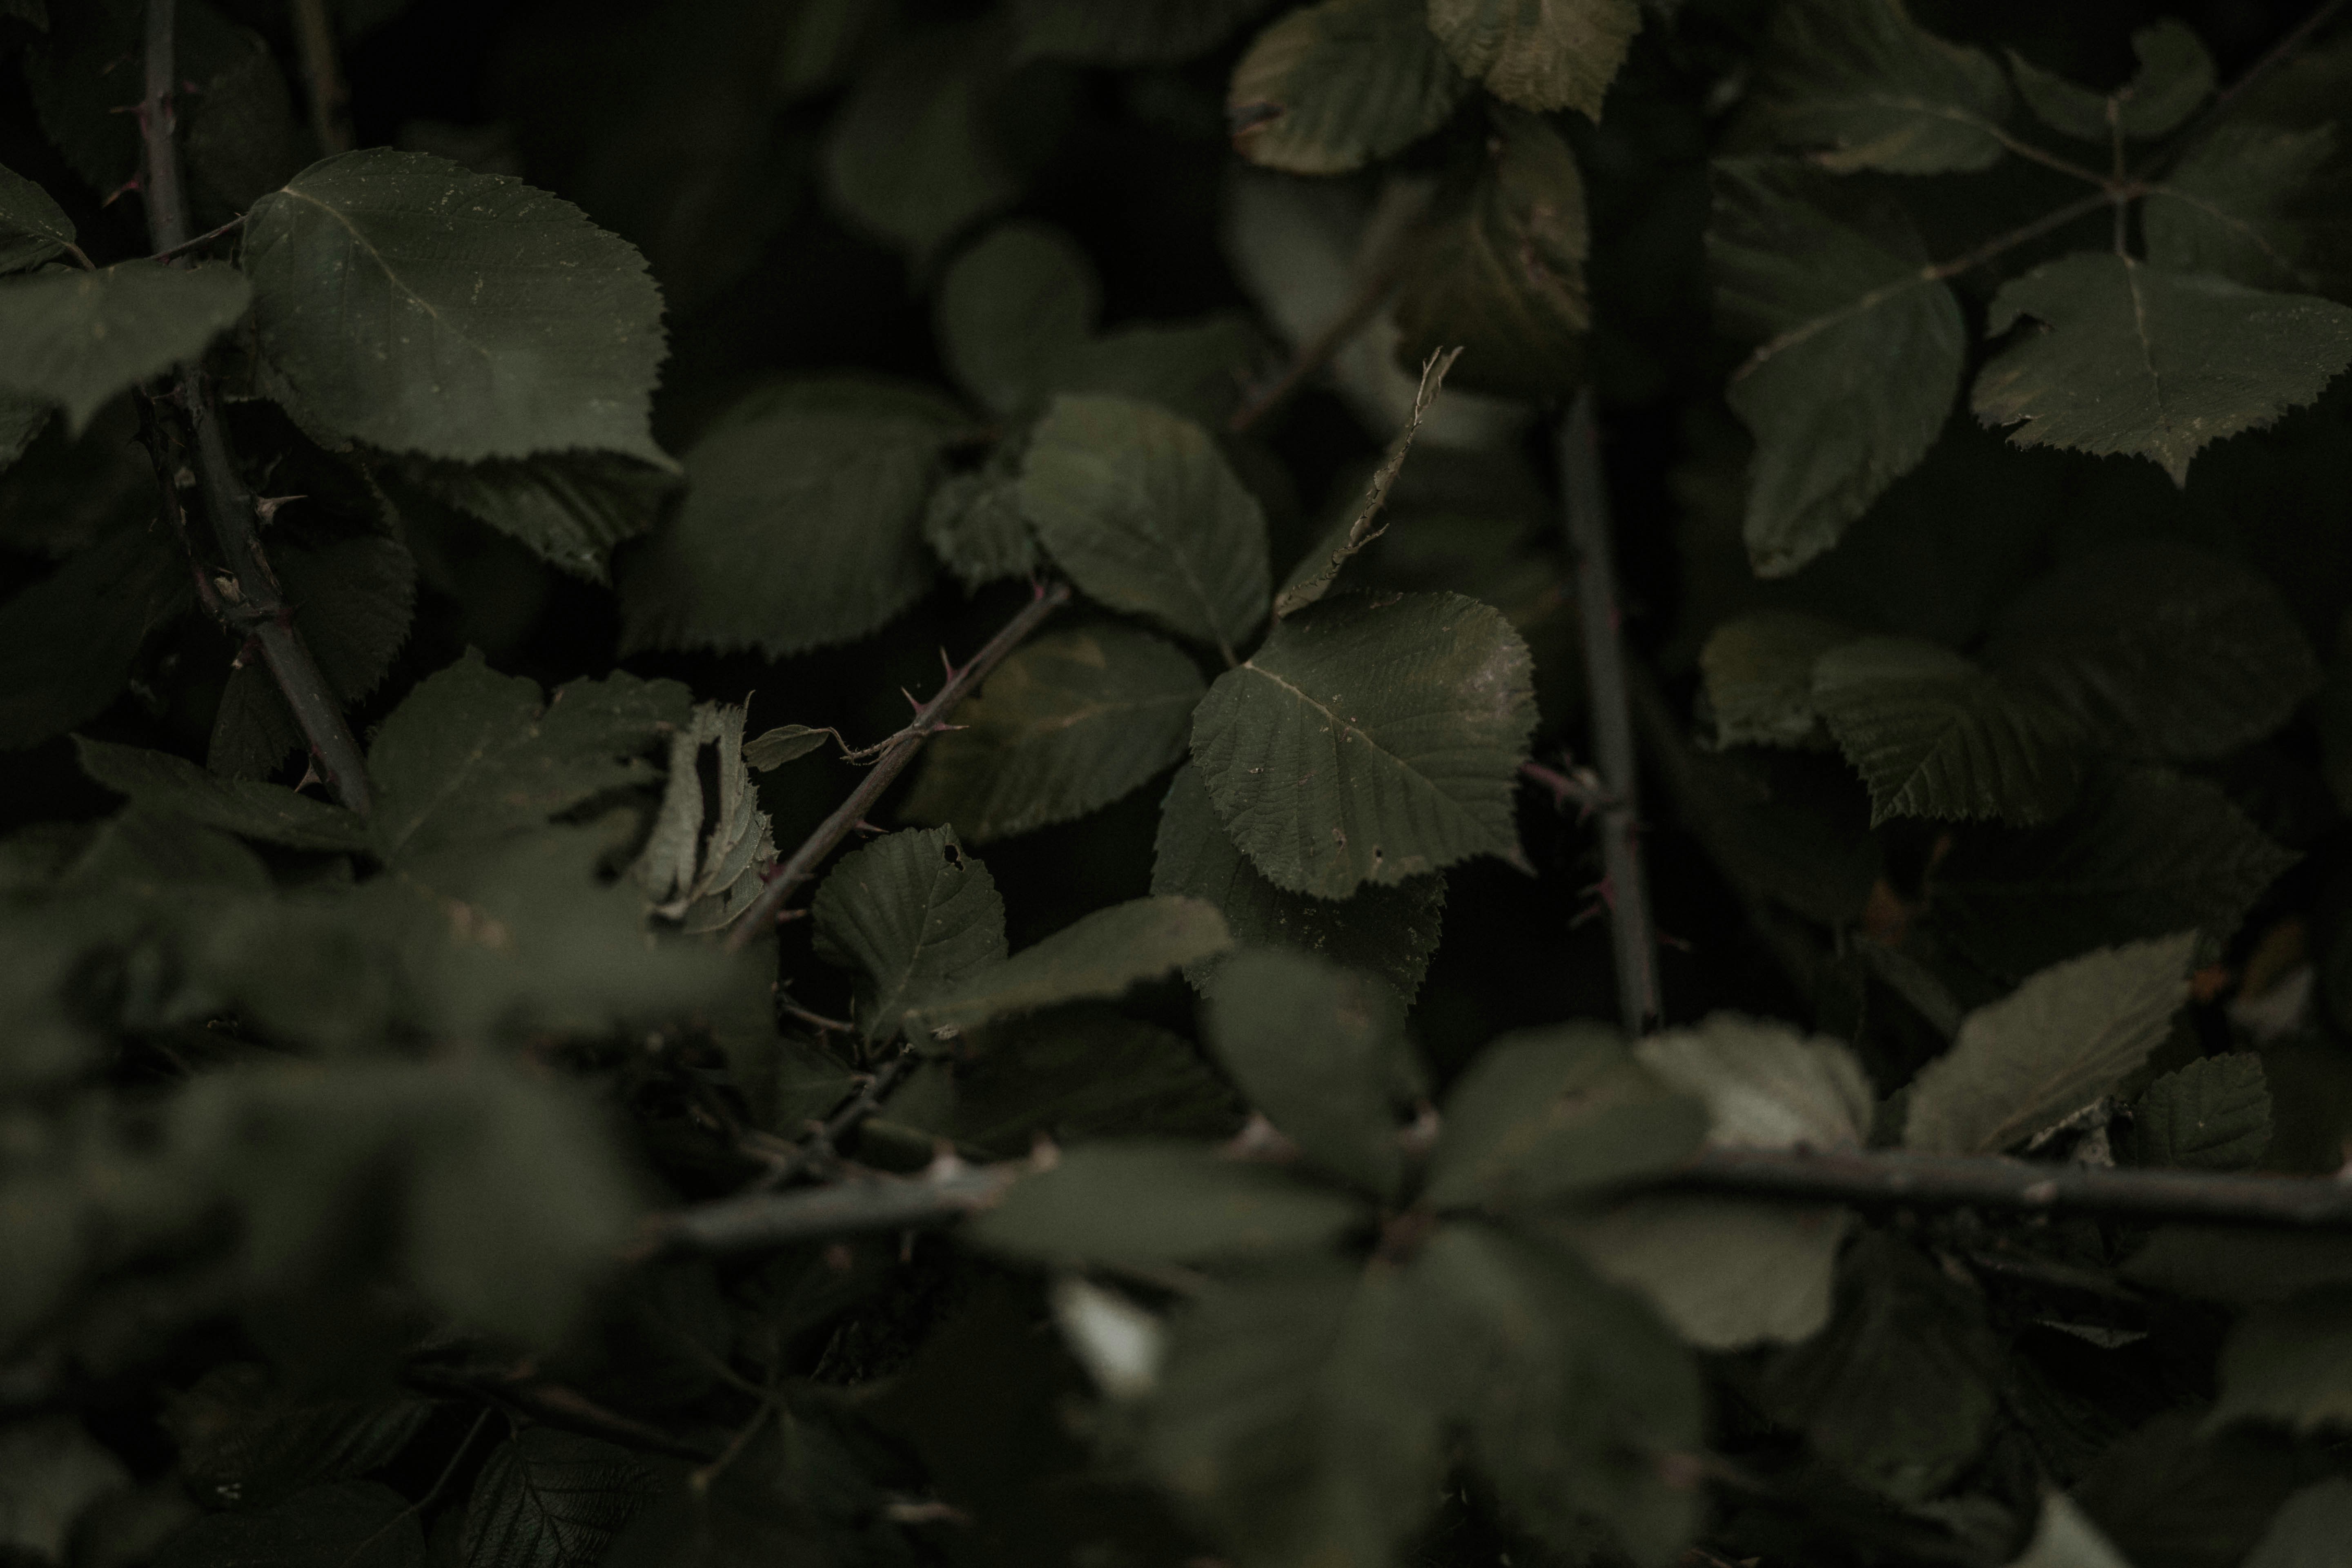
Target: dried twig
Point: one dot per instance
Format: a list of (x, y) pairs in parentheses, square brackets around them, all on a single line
[(895, 754)]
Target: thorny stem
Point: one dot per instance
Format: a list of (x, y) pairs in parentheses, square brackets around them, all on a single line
[(896, 753), (322, 79), (823, 1140), (249, 595), (1585, 504)]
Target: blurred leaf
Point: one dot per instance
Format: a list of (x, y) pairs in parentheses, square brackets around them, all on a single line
[(2169, 1496), (2174, 76), (1371, 738), (1557, 54), (546, 1499), (1576, 1397), (269, 812), (2159, 648), (2216, 1263), (1872, 88), (1859, 348), (353, 1525), (1758, 674), (973, 523), (570, 507), (32, 227), (1766, 1085), (1333, 85), (1140, 1204), (2310, 1530), (1195, 368), (1726, 1275), (51, 1472), (1896, 1394), (799, 523), (2259, 204), (1077, 1074), (1011, 307), (1932, 735), (246, 1444), (406, 301), (2065, 1537), (67, 643), (21, 419), (2058, 1042), (1066, 725), (1295, 1416), (77, 339), (1498, 272), (1543, 1114), (916, 915), (1128, 32), (1387, 931), (1098, 956), (2213, 1114), (2154, 363), (470, 754), (497, 1198), (705, 869), (1321, 1051), (354, 595), (2145, 853), (2291, 1363), (1137, 505)]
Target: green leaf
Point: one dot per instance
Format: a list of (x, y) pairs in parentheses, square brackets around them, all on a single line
[(1765, 1085), (1194, 368), (1859, 351), (67, 643), (2291, 1363), (784, 743), (2174, 76), (570, 509), (2159, 648), (973, 523), (21, 420), (1137, 505), (51, 1471), (1139, 1204), (2065, 1537), (1873, 89), (929, 140), (2151, 362), (1932, 735), (353, 1525), (32, 227), (1575, 1396), (271, 813), (546, 1499), (471, 753), (1555, 54), (702, 868), (1296, 1417), (506, 1198), (1371, 740), (2213, 1114), (916, 915), (1077, 1074), (2171, 1494), (1759, 676), (1726, 1275), (1897, 1393), (403, 300), (2310, 1530), (2261, 204), (1543, 1114), (244, 1443), (2058, 1042), (2147, 852), (1010, 307), (1128, 32), (1335, 85), (355, 596), (1499, 270), (1067, 724), (800, 525), (1387, 931), (77, 340), (1097, 955), (1321, 1051)]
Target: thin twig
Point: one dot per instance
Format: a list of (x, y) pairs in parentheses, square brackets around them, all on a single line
[(1361, 533), (204, 238), (1585, 503), (253, 602), (322, 79), (550, 1405), (1319, 351), (823, 1140), (861, 1205), (896, 752)]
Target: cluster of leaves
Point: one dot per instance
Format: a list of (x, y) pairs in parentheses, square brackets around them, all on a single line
[(2010, 814)]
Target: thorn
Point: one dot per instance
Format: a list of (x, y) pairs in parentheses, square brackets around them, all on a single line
[(121, 191), (911, 702), (862, 826), (266, 506), (310, 775), (947, 664)]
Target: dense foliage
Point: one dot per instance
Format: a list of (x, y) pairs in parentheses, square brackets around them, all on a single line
[(499, 1070)]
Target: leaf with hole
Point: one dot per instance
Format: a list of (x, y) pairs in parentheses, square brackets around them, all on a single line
[(916, 916)]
